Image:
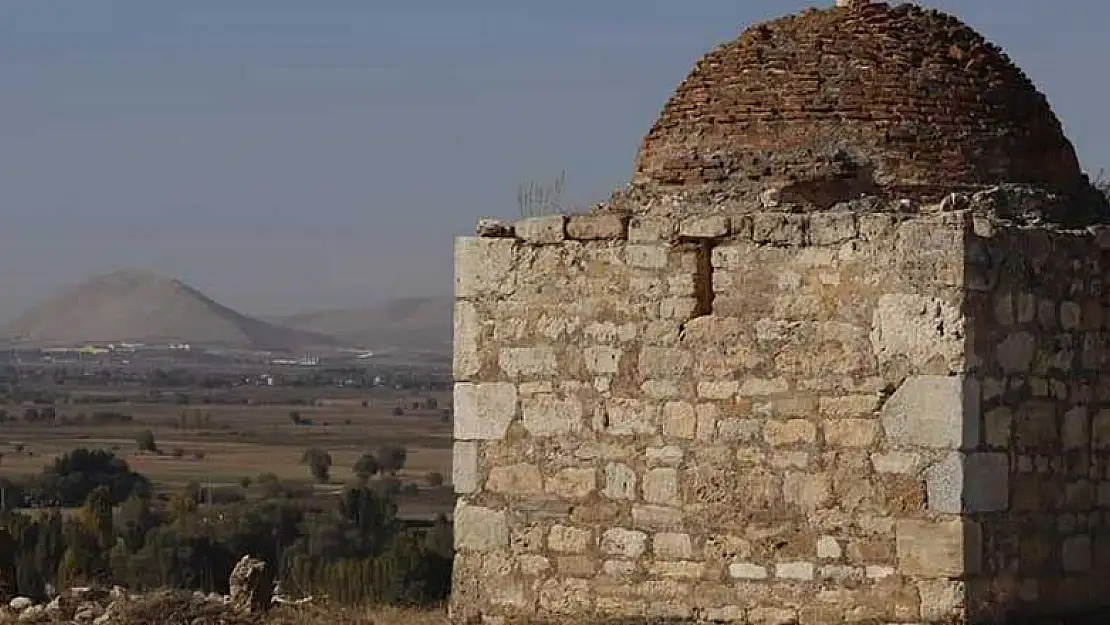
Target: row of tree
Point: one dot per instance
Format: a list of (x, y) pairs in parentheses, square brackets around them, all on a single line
[(357, 550)]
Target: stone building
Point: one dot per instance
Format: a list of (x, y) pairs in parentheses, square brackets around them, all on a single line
[(838, 353)]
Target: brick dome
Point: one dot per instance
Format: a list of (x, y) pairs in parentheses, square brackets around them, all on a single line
[(858, 98)]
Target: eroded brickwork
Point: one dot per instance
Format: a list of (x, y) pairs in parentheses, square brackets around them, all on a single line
[(866, 97)]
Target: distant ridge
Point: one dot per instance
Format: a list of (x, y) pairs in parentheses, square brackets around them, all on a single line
[(404, 324), (143, 307)]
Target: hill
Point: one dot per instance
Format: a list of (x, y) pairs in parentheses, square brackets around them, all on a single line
[(143, 307), (405, 324)]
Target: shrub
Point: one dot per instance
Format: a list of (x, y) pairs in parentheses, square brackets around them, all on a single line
[(319, 464), (145, 441)]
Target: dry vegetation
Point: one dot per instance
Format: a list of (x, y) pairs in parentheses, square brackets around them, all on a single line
[(236, 442)]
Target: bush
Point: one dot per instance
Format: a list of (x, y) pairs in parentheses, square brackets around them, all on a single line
[(366, 467), (392, 458), (319, 464), (178, 452), (145, 441)]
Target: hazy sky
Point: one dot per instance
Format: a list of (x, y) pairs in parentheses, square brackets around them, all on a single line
[(290, 154)]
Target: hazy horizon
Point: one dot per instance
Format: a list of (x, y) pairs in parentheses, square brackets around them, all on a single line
[(288, 156)]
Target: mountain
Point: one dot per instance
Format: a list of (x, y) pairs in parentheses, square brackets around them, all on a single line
[(143, 307), (406, 324)]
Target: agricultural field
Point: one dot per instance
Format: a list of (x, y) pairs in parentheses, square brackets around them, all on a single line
[(220, 443)]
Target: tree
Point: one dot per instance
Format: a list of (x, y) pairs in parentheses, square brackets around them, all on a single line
[(145, 441), (391, 458), (319, 464), (366, 467)]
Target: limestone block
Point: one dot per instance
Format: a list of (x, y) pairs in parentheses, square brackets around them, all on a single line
[(672, 546), (602, 360), (942, 600), (528, 362), (747, 570), (1076, 428), (647, 256), (806, 491), (464, 467), (620, 481), (903, 463), (1076, 554), (467, 341), (832, 228), (565, 596), (565, 539), (597, 226), (623, 543), (933, 411), (794, 570), (773, 616), (519, 479), (668, 456), (967, 483), (480, 529), (851, 432), (483, 411), (679, 420), (997, 426), (828, 548), (717, 389), (572, 483), (661, 486), (544, 230), (704, 227), (790, 432), (780, 228), (754, 387), (629, 417), (484, 267), (647, 229), (917, 328), (938, 549), (657, 363), (849, 406), (676, 570), (725, 614), (656, 517), (1015, 352), (545, 414)]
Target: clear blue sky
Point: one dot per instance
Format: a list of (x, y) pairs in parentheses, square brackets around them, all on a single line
[(292, 154)]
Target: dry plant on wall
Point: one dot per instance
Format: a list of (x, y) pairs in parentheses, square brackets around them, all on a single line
[(536, 199)]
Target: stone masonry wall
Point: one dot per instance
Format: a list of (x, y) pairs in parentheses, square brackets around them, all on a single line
[(779, 418), (1041, 475)]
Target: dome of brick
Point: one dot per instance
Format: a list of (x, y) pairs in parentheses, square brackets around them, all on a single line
[(857, 99)]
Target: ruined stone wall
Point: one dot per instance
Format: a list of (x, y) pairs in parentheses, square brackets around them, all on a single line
[(724, 419)]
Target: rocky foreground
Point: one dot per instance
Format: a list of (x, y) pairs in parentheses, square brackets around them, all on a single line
[(251, 601)]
